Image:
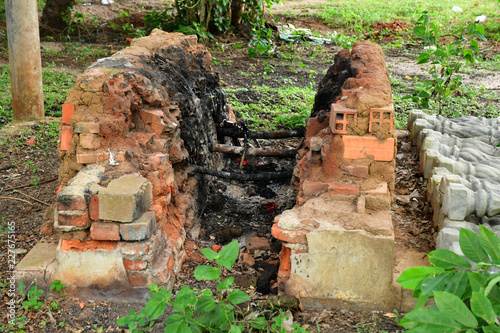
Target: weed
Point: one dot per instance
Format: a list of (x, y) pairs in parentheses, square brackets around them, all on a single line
[(57, 285), (33, 301), (35, 182), (196, 311)]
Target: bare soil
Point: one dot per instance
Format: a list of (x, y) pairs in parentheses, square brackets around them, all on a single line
[(29, 180)]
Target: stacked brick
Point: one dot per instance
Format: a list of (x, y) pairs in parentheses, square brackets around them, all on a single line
[(341, 230), (460, 158), (127, 202)]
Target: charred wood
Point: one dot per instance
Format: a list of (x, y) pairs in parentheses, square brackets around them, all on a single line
[(239, 132), (242, 176), (284, 153)]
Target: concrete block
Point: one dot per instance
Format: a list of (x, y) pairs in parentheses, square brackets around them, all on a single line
[(337, 262), (142, 228), (38, 266), (125, 199), (96, 264)]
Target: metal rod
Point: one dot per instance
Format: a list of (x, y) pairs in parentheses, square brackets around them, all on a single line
[(284, 153), (240, 133), (241, 176)]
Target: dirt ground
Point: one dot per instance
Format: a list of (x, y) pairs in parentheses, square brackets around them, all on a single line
[(29, 179)]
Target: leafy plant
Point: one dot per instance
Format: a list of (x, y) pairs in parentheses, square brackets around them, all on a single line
[(467, 298), (201, 311), (57, 285), (33, 301), (446, 60)]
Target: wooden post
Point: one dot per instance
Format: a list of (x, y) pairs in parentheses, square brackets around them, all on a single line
[(25, 59)]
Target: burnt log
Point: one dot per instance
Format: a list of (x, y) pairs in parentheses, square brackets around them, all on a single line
[(242, 176), (284, 153), (238, 132)]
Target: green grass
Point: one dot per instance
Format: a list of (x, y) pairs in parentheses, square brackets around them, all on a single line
[(286, 107), (357, 15), (56, 83)]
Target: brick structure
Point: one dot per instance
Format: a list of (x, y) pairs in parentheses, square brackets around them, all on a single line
[(338, 240), (129, 127)]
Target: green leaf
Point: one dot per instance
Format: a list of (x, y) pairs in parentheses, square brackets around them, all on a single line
[(469, 244), (236, 329), (184, 299), (491, 284), (428, 320), (481, 307), (157, 303), (421, 301), (477, 280), (205, 272), (412, 277), (177, 327), (447, 259), (237, 296), (493, 328), (229, 254), (209, 254), (458, 283), (489, 242), (259, 323), (423, 58), (226, 283), (436, 283), (454, 308), (205, 304)]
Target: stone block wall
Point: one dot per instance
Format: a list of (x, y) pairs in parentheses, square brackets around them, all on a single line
[(130, 126), (338, 240), (460, 157)]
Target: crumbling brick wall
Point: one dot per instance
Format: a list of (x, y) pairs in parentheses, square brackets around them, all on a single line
[(130, 126), (338, 240)]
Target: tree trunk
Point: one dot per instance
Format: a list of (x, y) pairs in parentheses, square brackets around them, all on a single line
[(237, 7), (52, 21)]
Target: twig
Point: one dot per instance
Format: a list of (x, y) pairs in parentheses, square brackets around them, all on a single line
[(32, 198), (28, 185), (18, 199)]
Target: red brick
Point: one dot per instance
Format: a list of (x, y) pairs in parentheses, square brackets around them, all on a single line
[(343, 189), (105, 231), (89, 245), (257, 243), (247, 259), (356, 170), (135, 265), (90, 141), (91, 158), (68, 110), (356, 147), (289, 236), (313, 126), (94, 207), (134, 249), (285, 263), (313, 187), (140, 279), (66, 135), (73, 218), (73, 204)]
